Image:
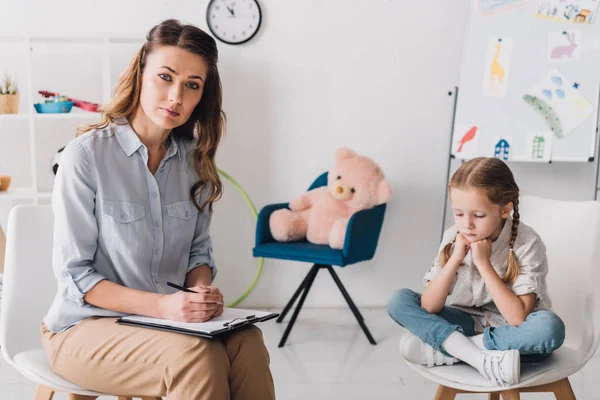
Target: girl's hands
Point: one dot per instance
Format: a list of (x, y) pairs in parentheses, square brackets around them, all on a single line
[(461, 248), (481, 252)]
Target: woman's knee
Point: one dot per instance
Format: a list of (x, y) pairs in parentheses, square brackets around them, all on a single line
[(247, 342), (202, 354), (202, 367), (549, 329), (401, 299)]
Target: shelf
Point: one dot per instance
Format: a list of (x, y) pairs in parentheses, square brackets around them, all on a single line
[(82, 115), (88, 39), (66, 38), (14, 116), (45, 131), (67, 115), (24, 193)]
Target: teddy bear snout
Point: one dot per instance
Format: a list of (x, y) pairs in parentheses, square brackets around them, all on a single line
[(341, 192)]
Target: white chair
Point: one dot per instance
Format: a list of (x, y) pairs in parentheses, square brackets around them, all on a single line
[(571, 232), (29, 287)]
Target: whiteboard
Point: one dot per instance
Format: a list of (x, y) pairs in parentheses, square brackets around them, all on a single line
[(527, 47)]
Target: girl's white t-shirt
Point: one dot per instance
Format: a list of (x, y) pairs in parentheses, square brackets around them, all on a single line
[(468, 291)]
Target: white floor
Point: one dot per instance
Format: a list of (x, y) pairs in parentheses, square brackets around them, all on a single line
[(328, 357)]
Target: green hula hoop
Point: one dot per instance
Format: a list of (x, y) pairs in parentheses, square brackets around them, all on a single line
[(255, 213)]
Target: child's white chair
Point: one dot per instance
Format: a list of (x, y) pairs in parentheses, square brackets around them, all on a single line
[(29, 288), (571, 232)]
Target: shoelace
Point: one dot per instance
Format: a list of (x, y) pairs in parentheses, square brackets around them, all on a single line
[(492, 367), (435, 357)]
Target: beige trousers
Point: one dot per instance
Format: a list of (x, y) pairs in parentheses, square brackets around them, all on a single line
[(101, 355)]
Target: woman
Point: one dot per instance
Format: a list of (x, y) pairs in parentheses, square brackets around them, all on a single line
[(132, 201)]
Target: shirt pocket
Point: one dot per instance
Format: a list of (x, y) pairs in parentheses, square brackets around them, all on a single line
[(125, 225), (180, 223)]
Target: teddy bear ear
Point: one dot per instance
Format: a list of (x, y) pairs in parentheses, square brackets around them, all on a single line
[(384, 191), (344, 152)]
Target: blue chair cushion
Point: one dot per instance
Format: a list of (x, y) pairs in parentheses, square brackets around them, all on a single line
[(300, 251)]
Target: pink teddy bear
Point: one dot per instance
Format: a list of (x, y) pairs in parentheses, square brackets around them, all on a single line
[(321, 215)]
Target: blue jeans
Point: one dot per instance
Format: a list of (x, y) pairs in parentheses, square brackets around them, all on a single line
[(536, 338)]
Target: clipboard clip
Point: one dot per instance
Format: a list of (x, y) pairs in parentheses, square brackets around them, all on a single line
[(242, 321)]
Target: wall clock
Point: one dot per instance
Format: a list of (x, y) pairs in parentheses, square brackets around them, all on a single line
[(233, 21)]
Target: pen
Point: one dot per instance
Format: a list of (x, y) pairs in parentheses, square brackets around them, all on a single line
[(185, 289)]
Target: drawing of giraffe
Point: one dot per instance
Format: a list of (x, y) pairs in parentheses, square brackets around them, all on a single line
[(496, 71)]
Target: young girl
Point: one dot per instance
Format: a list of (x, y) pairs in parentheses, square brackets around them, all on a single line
[(132, 204), (485, 300)]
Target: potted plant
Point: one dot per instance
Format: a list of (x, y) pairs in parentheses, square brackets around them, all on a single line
[(9, 95)]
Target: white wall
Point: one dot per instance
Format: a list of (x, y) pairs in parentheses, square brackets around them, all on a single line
[(373, 75)]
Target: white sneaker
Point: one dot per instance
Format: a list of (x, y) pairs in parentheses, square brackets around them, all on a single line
[(416, 351), (501, 367)]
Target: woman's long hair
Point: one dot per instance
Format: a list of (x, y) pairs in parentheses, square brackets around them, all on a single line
[(207, 119), (493, 177)]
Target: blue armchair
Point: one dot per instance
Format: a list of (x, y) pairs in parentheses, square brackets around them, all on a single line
[(360, 243)]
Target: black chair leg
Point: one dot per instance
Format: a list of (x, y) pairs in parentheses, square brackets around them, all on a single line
[(310, 278), (296, 294), (351, 304)]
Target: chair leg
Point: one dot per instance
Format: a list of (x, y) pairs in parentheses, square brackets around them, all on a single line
[(44, 393), (310, 279), (73, 396), (357, 314), (445, 393), (563, 390), (512, 394), (494, 396), (290, 303)]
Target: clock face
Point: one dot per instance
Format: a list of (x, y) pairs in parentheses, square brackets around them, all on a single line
[(233, 21)]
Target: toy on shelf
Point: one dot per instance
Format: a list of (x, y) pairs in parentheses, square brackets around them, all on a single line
[(4, 183), (9, 95), (62, 104), (56, 159), (58, 104)]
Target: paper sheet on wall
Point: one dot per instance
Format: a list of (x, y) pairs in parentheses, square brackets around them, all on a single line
[(539, 146), (577, 11), (564, 46), (465, 142), (497, 66), (503, 147), (558, 101)]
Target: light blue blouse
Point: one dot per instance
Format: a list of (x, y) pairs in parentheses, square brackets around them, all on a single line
[(114, 220)]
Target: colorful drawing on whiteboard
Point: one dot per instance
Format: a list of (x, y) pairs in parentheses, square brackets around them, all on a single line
[(539, 146), (497, 67), (465, 142), (577, 11), (546, 112), (488, 7), (502, 147), (564, 46), (559, 102)]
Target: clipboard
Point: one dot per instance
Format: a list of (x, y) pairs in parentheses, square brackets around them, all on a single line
[(231, 320)]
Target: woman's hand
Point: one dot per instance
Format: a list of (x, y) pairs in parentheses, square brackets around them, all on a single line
[(214, 291), (461, 248), (482, 251), (192, 307)]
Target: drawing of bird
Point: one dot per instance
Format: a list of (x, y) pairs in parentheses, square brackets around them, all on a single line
[(466, 138)]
